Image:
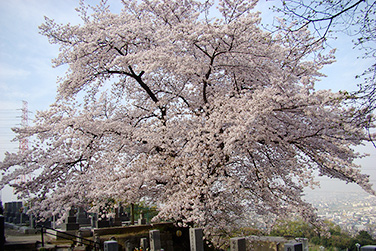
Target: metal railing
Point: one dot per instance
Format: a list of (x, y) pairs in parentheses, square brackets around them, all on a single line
[(76, 239)]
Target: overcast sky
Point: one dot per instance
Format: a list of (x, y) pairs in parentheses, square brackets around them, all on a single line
[(26, 72)]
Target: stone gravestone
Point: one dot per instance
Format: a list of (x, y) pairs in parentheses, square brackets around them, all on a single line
[(24, 216), (70, 222), (93, 219), (6, 211), (54, 221), (237, 244), (196, 239), (101, 223), (32, 222), (2, 232), (293, 246), (155, 240), (9, 214), (142, 220), (111, 245), (10, 210), (304, 242), (17, 210), (82, 217), (144, 243), (123, 214), (116, 221)]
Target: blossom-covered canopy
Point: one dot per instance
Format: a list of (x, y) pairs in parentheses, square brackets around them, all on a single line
[(210, 119)]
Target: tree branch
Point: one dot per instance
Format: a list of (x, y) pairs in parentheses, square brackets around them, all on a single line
[(143, 85)]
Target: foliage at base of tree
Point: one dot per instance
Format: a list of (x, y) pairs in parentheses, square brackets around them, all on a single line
[(295, 228), (343, 240), (363, 238), (336, 237)]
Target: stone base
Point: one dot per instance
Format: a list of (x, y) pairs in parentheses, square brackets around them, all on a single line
[(28, 230), (70, 226), (86, 232), (102, 224), (116, 222)]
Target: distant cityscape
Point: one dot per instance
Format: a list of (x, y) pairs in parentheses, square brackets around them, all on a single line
[(351, 213)]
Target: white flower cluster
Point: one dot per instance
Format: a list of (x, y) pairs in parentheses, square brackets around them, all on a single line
[(209, 119)]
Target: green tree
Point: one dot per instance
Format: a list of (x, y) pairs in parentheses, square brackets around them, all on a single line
[(295, 228), (340, 240), (363, 238), (336, 239)]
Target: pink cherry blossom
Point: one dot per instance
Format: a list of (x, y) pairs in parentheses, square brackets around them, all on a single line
[(210, 119)]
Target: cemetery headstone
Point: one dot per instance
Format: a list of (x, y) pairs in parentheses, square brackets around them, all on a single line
[(9, 211), (237, 244), (24, 216), (142, 220), (144, 243), (32, 221), (155, 240), (196, 239), (6, 211), (111, 245), (294, 246), (101, 223), (70, 222), (54, 221), (93, 219), (2, 232), (16, 212), (132, 213), (82, 217), (304, 242), (123, 214), (116, 221)]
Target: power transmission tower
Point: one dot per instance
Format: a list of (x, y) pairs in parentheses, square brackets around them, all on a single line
[(24, 142)]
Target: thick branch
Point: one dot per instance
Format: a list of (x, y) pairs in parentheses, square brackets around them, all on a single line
[(143, 85), (207, 75)]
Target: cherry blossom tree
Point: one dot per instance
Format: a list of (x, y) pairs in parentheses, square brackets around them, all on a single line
[(326, 18), (210, 119)]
